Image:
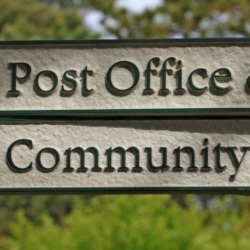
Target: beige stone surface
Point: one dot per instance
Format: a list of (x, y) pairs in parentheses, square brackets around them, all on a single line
[(99, 58), (139, 133), (232, 135)]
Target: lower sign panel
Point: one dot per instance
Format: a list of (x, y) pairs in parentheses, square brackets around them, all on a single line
[(125, 156)]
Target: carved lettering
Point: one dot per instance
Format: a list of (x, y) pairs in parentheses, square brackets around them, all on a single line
[(81, 167)]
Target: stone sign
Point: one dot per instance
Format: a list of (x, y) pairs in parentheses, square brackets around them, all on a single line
[(125, 116)]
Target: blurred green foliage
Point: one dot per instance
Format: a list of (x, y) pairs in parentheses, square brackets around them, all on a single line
[(124, 222), (28, 19), (65, 19), (131, 222), (193, 18)]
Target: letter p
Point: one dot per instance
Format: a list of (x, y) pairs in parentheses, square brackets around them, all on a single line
[(13, 92)]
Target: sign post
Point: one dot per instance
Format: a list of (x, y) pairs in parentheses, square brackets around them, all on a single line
[(125, 116)]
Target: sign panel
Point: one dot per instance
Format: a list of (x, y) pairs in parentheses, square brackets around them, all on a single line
[(124, 156), (125, 116), (203, 77)]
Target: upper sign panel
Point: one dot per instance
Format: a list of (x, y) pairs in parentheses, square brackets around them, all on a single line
[(154, 77)]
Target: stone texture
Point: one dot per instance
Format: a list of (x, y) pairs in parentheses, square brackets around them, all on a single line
[(99, 58), (103, 135)]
